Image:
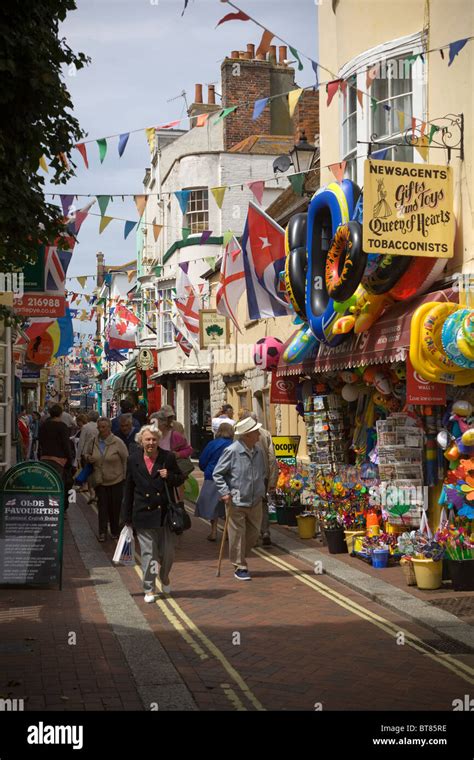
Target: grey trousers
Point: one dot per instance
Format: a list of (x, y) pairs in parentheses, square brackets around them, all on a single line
[(156, 548)]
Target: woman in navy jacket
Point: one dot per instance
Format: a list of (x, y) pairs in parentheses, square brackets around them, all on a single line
[(144, 506), (207, 505)]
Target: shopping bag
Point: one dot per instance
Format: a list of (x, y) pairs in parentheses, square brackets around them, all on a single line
[(84, 474), (125, 551)]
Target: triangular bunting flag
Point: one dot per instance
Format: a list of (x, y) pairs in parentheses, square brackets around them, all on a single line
[(338, 170), (123, 140), (259, 107), (225, 112), (88, 298), (360, 98), (140, 202), (227, 237), (170, 125), (82, 281), (202, 119), (83, 151), (102, 143), (183, 198), (43, 164), (371, 75), (413, 125), (66, 203), (240, 16), (265, 43), (257, 189), (218, 193), (401, 120), (293, 98), (315, 69), (331, 89), (433, 130), (455, 48), (130, 274), (211, 261), (129, 225), (294, 52), (297, 182), (156, 230), (379, 155), (103, 201), (105, 220), (150, 133), (422, 146), (186, 231), (373, 104), (205, 236)]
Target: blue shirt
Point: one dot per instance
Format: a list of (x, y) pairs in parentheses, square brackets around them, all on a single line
[(211, 455), (116, 425), (240, 472)]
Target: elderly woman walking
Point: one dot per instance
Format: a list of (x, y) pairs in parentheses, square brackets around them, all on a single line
[(108, 457), (152, 474), (207, 505)]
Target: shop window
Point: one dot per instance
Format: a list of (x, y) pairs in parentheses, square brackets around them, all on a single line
[(164, 324), (197, 214)]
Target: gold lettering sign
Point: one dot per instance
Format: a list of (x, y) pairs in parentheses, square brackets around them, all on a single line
[(408, 209)]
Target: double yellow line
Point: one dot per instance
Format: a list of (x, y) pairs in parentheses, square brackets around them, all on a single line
[(446, 660)]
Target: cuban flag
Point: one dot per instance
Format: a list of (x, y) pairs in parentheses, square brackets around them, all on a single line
[(263, 247)]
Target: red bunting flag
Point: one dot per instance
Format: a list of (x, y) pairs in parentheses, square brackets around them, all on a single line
[(201, 119), (338, 170), (331, 89), (257, 189), (371, 75), (360, 98), (240, 16), (81, 147), (265, 43)]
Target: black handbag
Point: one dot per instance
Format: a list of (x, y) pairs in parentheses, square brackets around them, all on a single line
[(177, 518)]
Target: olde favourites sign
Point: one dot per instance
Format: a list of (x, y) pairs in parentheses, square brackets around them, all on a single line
[(408, 209), (213, 329)]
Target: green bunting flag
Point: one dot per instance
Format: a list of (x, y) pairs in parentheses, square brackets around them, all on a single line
[(433, 130), (295, 53), (102, 143), (227, 237), (224, 113), (103, 201), (297, 182), (211, 261)]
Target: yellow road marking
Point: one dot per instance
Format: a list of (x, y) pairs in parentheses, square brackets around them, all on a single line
[(449, 662), (233, 697)]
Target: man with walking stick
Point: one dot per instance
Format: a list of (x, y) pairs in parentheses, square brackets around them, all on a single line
[(240, 479)]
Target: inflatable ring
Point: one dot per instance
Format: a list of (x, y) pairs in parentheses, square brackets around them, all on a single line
[(368, 309), (432, 323), (465, 348), (345, 262), (386, 274), (467, 328), (448, 338), (330, 206), (421, 361), (420, 275), (300, 346), (296, 263)]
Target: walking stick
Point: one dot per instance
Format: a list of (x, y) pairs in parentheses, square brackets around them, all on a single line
[(224, 533)]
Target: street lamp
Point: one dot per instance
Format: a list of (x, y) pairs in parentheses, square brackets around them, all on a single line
[(303, 155)]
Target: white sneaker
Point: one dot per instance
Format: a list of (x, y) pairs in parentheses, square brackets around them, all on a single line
[(165, 589), (149, 598)]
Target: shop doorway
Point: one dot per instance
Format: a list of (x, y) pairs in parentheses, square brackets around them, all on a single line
[(200, 416)]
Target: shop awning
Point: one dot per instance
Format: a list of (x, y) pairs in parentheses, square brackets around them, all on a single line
[(110, 382), (181, 371), (127, 381), (387, 341)]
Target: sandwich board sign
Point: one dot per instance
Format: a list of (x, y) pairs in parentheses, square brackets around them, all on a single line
[(31, 526)]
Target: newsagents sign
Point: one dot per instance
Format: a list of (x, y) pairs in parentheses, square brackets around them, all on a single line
[(31, 526)]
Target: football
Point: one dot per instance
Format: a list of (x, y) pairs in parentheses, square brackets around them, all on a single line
[(266, 353)]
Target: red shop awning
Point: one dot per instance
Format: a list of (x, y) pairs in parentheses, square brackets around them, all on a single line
[(387, 341)]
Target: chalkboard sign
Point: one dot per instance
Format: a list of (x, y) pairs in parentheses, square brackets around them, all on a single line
[(31, 526)]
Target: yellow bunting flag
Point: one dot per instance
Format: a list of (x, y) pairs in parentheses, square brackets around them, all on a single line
[(130, 274), (82, 281), (150, 136), (104, 222), (401, 120), (140, 202), (43, 164), (156, 229), (88, 298), (293, 98), (84, 316), (422, 146), (99, 310), (218, 193), (360, 98)]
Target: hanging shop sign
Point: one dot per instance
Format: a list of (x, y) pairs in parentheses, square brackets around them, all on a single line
[(286, 447), (423, 392), (408, 209), (44, 282), (145, 359), (283, 390), (213, 329), (31, 526)]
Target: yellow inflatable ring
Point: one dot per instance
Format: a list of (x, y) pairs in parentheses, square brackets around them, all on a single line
[(430, 335), (421, 361)]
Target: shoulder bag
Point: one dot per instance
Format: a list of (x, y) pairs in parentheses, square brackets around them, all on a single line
[(184, 463), (177, 518)]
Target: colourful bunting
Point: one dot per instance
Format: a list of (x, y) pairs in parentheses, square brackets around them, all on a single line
[(401, 120), (66, 203), (293, 98), (123, 140), (140, 202), (83, 151), (170, 125), (373, 104), (128, 228), (360, 98), (294, 52), (379, 155), (150, 133), (227, 237), (370, 76), (422, 146), (257, 189), (218, 193), (297, 183), (202, 119), (240, 16), (331, 89), (103, 201), (338, 170), (205, 236), (183, 198), (455, 48), (82, 281), (265, 43), (315, 69), (259, 107), (102, 143), (105, 220), (130, 274), (43, 164), (156, 229), (224, 113), (433, 130)]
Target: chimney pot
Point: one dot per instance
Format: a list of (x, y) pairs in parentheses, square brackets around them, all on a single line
[(211, 95), (282, 54), (260, 57), (247, 56), (234, 54), (198, 93), (273, 53), (251, 50)]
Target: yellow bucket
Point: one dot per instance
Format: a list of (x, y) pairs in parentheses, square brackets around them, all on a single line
[(373, 530), (358, 543), (351, 537), (428, 573), (394, 529), (306, 526)]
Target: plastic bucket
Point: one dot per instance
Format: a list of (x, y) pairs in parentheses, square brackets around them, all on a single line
[(428, 573), (358, 543), (394, 529), (373, 530), (350, 537), (335, 539), (306, 526), (380, 557), (462, 574)]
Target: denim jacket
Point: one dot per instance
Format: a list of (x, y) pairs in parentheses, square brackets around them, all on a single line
[(241, 472)]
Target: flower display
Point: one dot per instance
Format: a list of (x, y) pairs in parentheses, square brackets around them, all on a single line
[(290, 482), (418, 545), (457, 541)]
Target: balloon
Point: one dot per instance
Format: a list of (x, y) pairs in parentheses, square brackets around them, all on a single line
[(462, 408), (443, 439), (350, 392), (468, 437)]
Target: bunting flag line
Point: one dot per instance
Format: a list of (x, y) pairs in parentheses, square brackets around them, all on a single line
[(315, 69), (183, 198), (43, 164), (401, 120), (297, 183), (123, 140), (421, 144), (129, 225), (150, 133), (259, 107), (102, 143), (156, 229), (433, 131), (265, 43), (257, 189), (205, 235), (82, 282), (373, 104), (83, 151), (240, 16), (201, 119), (227, 237), (224, 113), (103, 201), (370, 76), (140, 202), (218, 193), (338, 170), (331, 89), (104, 222), (66, 203), (455, 48), (360, 98), (294, 52), (211, 261), (293, 98)]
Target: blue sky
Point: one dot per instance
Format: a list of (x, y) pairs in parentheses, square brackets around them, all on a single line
[(144, 53)]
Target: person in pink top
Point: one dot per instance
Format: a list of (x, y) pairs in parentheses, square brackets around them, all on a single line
[(172, 440)]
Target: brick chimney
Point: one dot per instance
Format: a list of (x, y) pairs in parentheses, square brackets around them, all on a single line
[(247, 79), (198, 107)]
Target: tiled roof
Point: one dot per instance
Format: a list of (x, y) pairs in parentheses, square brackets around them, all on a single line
[(264, 145)]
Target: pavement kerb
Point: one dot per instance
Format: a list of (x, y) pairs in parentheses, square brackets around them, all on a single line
[(156, 678), (439, 621)]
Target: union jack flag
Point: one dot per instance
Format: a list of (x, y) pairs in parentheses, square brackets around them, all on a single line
[(55, 267), (182, 341)]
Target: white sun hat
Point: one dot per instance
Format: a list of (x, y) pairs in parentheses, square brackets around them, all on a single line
[(247, 425)]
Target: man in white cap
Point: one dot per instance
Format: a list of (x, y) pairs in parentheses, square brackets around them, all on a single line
[(240, 479)]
